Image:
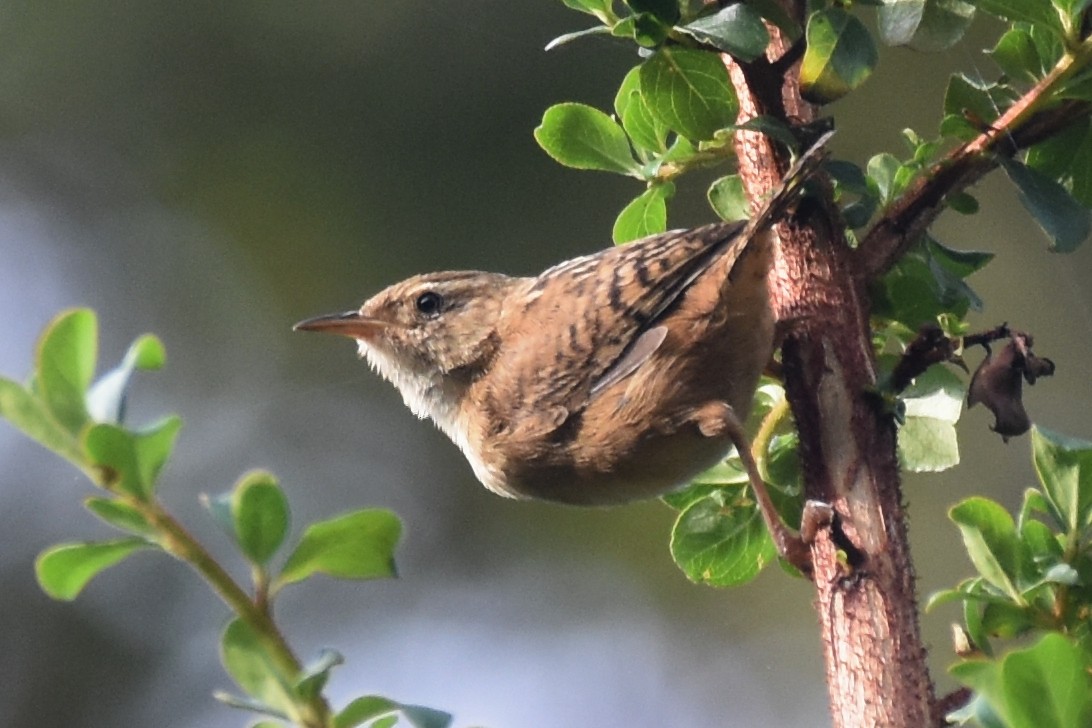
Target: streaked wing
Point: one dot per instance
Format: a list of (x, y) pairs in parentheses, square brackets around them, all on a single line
[(581, 324)]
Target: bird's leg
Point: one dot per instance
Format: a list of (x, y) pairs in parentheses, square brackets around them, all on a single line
[(718, 418)]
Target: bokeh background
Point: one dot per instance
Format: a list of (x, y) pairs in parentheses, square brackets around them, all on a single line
[(214, 172)]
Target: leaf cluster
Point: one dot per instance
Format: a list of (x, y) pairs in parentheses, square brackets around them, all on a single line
[(1034, 578), (81, 419)]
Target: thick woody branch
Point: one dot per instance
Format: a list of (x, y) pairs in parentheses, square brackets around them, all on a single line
[(875, 661), (1021, 126)]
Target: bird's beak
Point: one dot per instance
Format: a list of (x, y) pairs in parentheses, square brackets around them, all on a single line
[(348, 323)]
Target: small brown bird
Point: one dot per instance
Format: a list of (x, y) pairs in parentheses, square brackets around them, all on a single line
[(608, 378)]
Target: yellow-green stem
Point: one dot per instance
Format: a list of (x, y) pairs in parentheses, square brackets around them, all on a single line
[(175, 540), (761, 443)]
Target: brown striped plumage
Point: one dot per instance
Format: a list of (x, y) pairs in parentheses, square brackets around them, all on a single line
[(607, 378)]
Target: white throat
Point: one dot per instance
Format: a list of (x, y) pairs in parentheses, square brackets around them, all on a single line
[(429, 395)]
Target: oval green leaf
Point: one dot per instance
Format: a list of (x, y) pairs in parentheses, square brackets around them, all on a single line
[(989, 534), (593, 7), (371, 707), (646, 132), (30, 414), (926, 25), (64, 570), (357, 545), (1043, 686), (121, 516), (65, 365), (688, 90), (363, 709), (721, 542), (260, 516), (839, 58), (248, 663), (728, 199), (1037, 12), (1064, 467), (1016, 55), (736, 29), (316, 673), (927, 445), (580, 136), (1065, 221), (646, 215), (131, 461)]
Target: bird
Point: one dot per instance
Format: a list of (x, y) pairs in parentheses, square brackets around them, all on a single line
[(608, 378)]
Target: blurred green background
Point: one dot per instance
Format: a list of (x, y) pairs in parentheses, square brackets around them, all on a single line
[(214, 172)]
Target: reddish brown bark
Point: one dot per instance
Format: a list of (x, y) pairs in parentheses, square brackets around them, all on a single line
[(875, 660), (864, 576)]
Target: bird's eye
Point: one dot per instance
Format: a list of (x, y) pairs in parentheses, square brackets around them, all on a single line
[(429, 304)]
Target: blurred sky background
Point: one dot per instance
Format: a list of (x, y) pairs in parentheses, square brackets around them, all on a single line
[(213, 172)]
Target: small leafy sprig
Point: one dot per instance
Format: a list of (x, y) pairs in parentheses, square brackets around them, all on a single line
[(64, 409), (1034, 578)]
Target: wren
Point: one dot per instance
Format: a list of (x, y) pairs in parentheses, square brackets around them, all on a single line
[(611, 377)]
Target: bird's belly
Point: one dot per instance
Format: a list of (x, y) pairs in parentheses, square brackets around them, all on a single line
[(645, 468)]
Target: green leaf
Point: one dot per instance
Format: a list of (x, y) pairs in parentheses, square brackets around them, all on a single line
[(927, 284), (315, 674), (721, 540), (728, 199), (249, 664), (131, 461), (259, 513), (989, 534), (666, 11), (962, 202), (592, 7), (66, 357), (1065, 221), (106, 399), (849, 182), (422, 717), (363, 709), (1044, 686), (1064, 467), (772, 127), (370, 707), (688, 90), (644, 129), (30, 415), (1015, 54), (927, 445), (121, 516), (1037, 12), (646, 215), (966, 97), (357, 545), (648, 30), (839, 58), (959, 263), (926, 25), (1067, 157), (882, 170), (932, 406), (65, 569), (585, 138), (736, 29)]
